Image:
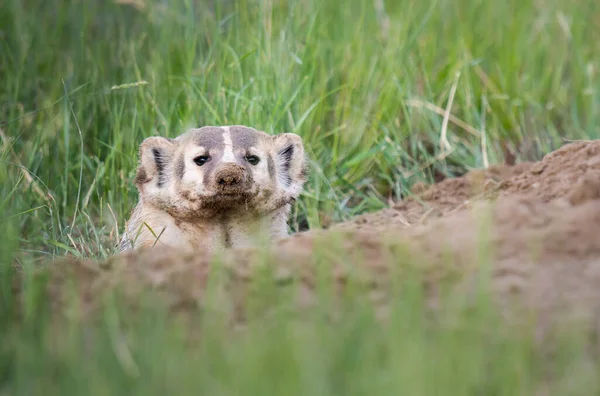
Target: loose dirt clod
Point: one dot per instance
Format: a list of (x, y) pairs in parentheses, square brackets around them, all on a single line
[(537, 225)]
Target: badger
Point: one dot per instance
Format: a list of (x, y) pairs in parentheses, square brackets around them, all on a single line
[(215, 187)]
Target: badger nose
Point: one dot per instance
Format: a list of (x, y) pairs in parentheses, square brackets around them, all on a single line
[(231, 177), (230, 180)]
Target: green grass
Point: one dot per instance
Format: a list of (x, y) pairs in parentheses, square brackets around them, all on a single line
[(83, 82)]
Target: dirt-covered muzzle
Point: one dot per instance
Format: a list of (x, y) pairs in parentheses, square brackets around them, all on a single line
[(231, 179)]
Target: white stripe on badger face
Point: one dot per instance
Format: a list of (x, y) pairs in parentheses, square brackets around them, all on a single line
[(228, 149)]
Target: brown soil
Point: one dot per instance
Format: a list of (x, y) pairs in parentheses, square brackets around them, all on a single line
[(537, 223), (440, 199)]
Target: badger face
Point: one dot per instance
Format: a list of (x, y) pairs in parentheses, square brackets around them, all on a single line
[(217, 170)]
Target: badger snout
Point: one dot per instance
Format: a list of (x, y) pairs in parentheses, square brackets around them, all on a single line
[(232, 178)]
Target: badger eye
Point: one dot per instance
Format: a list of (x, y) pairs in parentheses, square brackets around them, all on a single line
[(201, 160), (252, 159)]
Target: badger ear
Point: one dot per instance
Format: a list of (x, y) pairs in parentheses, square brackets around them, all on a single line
[(155, 154), (292, 170)]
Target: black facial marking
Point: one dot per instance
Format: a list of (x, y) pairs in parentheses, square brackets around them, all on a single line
[(179, 168), (271, 166), (207, 171), (209, 137), (243, 137), (285, 155), (160, 161)]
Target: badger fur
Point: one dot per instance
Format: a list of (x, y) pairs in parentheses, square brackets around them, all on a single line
[(215, 187)]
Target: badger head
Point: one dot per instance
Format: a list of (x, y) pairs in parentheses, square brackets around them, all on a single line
[(212, 171)]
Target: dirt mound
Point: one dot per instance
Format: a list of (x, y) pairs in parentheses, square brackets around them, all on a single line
[(535, 224), (427, 202), (546, 254), (571, 173)]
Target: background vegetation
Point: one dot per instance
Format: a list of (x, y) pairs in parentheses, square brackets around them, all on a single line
[(369, 84)]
